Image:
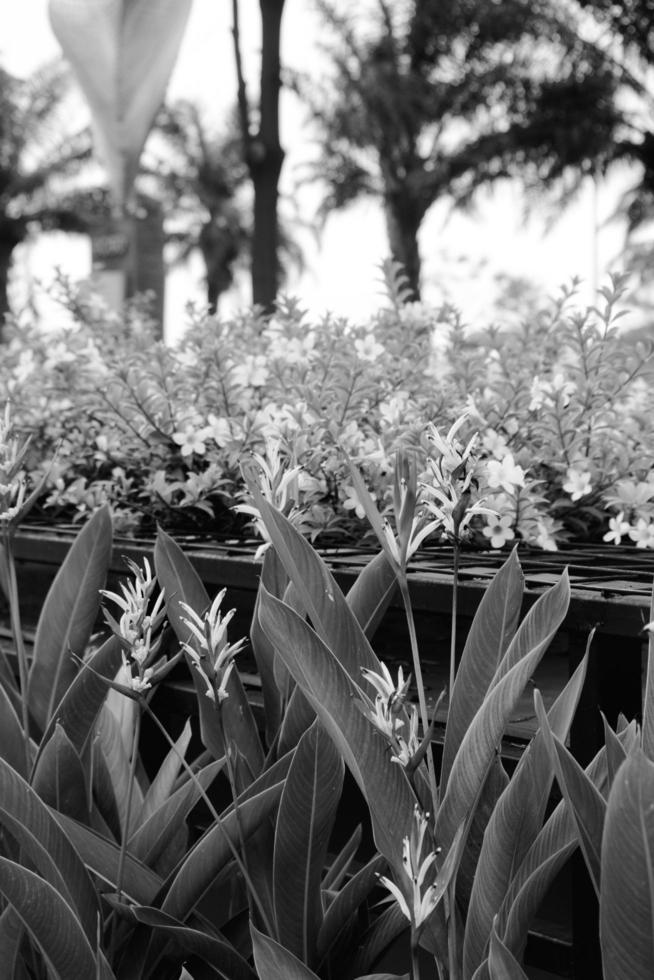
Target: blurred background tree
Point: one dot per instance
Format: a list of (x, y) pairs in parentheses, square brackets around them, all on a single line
[(39, 155)]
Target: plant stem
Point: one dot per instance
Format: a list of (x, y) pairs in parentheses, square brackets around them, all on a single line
[(417, 670), (415, 958), (128, 807), (455, 609)]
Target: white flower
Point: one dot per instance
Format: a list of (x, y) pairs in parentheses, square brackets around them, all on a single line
[(352, 502), (617, 528), (577, 483), (423, 900), (631, 494), (544, 538), (138, 624), (455, 460), (211, 654), (495, 444), (504, 473), (642, 534), (367, 348), (499, 530), (191, 439), (217, 429), (407, 747)]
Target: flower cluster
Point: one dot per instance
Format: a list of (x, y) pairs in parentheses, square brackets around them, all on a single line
[(425, 891), (562, 406), (211, 655)]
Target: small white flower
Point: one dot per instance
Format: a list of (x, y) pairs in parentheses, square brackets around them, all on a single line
[(577, 483), (352, 502), (499, 530), (618, 527), (367, 348), (504, 473), (642, 534), (495, 444), (191, 440), (217, 429)]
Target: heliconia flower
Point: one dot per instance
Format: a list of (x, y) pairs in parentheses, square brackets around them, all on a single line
[(407, 748), (423, 900), (211, 654), (504, 473), (618, 527), (385, 686), (453, 510), (455, 460), (577, 483), (138, 626)]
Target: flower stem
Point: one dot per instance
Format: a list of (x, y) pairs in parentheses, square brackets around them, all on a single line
[(415, 958), (417, 670), (455, 609), (128, 807)]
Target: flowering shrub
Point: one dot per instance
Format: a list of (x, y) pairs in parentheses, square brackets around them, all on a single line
[(561, 405)]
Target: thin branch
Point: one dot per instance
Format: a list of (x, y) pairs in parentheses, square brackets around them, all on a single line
[(242, 98)]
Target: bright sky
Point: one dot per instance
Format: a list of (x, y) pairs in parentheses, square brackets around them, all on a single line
[(341, 272)]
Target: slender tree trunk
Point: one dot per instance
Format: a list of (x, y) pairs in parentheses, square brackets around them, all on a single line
[(263, 151), (403, 220), (5, 263)]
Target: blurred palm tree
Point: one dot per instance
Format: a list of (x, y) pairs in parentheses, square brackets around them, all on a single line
[(38, 154), (203, 181)]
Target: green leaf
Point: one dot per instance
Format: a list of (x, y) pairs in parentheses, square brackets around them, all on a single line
[(22, 804), (59, 777), (162, 784), (491, 631), (110, 743), (12, 742), (102, 857), (275, 579), (273, 962), (627, 889), (217, 952), (322, 599), (502, 964), (515, 822), (304, 823), (332, 693), (586, 804), (385, 929), (648, 698), (78, 709), (68, 616), (340, 865), (372, 592), (50, 921), (347, 902), (155, 834), (212, 851), (181, 583)]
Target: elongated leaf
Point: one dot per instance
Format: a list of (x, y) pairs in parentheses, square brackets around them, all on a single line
[(154, 835), (516, 820), (12, 934), (102, 857), (59, 777), (372, 592), (340, 865), (162, 784), (615, 750), (12, 742), (586, 804), (322, 599), (502, 964), (304, 823), (110, 743), (627, 891), (491, 631), (273, 962), (68, 616), (215, 951), (22, 804), (298, 717), (479, 744), (49, 920), (213, 851), (275, 579), (648, 698), (181, 583), (347, 902), (385, 929), (80, 705), (332, 694)]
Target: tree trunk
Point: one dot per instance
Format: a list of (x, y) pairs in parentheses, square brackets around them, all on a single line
[(403, 220), (265, 161), (6, 251)]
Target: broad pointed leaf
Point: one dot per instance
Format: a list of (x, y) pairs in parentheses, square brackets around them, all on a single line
[(648, 699), (627, 890), (50, 921), (372, 592), (304, 823), (59, 777), (502, 964), (274, 962), (12, 741), (491, 631), (347, 902), (68, 616), (332, 693), (161, 786)]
